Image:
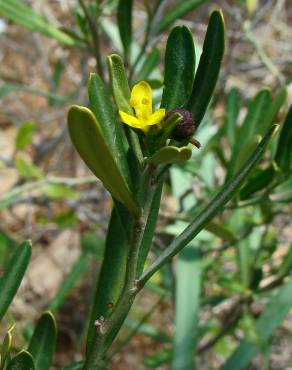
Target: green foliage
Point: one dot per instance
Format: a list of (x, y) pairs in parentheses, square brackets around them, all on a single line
[(28, 170), (124, 16), (14, 272), (234, 226), (22, 361), (266, 324), (188, 291), (43, 341), (208, 68), (20, 13), (86, 134), (25, 135), (179, 68), (170, 154)]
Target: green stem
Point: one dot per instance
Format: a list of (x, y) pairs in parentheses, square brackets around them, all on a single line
[(152, 22), (215, 206), (95, 39), (110, 325)]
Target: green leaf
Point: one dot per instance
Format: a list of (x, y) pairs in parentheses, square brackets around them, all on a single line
[(170, 154), (283, 155), (274, 108), (179, 68), (89, 141), (221, 231), (111, 278), (22, 361), (286, 266), (254, 122), (6, 347), (259, 181), (233, 105), (59, 191), (214, 207), (180, 9), (122, 94), (187, 300), (68, 283), (112, 130), (209, 66), (241, 153), (159, 358), (24, 135), (43, 342), (10, 88), (119, 83), (20, 13), (149, 228), (274, 313), (124, 16), (75, 366), (13, 275), (28, 170), (282, 193), (150, 62)]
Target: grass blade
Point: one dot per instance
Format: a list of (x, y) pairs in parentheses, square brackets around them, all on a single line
[(188, 290)]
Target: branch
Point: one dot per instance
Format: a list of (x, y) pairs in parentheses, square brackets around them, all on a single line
[(214, 207)]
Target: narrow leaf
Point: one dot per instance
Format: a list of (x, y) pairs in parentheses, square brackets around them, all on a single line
[(20, 13), (100, 105), (111, 278), (22, 361), (283, 155), (180, 9), (282, 193), (13, 275), (150, 62), (6, 347), (179, 68), (43, 342), (214, 207), (233, 105), (258, 182), (122, 94), (188, 290), (68, 283), (119, 83), (209, 66), (149, 228), (254, 121), (274, 313), (170, 154), (124, 16), (89, 141)]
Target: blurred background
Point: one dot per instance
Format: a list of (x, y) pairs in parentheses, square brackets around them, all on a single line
[(49, 196)]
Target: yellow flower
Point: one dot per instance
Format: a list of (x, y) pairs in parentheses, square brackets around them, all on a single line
[(141, 101)]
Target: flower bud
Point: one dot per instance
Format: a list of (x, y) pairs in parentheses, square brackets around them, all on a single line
[(186, 127)]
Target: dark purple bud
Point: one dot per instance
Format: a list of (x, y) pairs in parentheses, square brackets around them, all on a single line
[(185, 129)]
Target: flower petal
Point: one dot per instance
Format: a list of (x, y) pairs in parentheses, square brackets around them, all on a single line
[(129, 120), (156, 117), (141, 99)]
